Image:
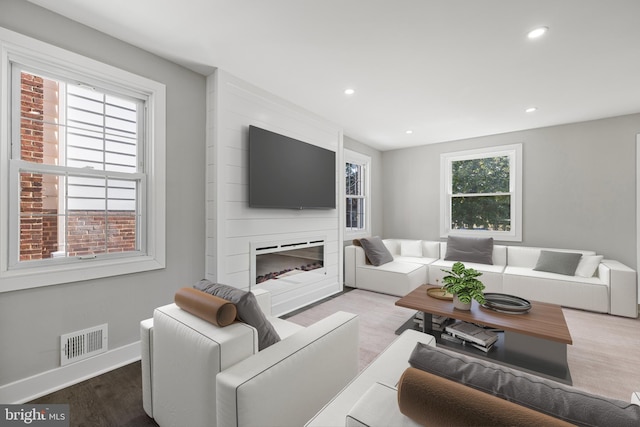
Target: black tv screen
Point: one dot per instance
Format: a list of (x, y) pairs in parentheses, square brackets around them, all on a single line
[(288, 173)]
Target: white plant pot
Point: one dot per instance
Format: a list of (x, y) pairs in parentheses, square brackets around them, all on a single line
[(461, 305)]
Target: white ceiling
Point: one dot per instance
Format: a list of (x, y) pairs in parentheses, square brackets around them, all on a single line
[(447, 70)]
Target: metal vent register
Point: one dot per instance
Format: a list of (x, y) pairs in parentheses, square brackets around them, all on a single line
[(82, 344)]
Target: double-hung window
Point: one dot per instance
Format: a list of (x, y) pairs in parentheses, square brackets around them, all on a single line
[(482, 193), (357, 172), (85, 171)]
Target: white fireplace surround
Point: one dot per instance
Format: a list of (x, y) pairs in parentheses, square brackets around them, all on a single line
[(234, 229)]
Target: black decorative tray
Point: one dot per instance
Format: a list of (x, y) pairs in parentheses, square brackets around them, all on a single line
[(504, 303)]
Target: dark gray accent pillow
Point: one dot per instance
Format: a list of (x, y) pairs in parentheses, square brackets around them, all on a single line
[(375, 250), (558, 262), (470, 249), (546, 396), (249, 311)]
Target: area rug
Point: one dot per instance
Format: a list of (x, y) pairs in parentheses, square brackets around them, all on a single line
[(378, 319), (603, 358)]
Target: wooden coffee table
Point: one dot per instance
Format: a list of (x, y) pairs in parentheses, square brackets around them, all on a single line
[(535, 341)]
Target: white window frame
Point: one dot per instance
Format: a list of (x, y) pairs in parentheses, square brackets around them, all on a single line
[(17, 48), (365, 161), (514, 152)]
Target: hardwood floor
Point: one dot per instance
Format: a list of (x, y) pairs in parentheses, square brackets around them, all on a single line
[(109, 400)]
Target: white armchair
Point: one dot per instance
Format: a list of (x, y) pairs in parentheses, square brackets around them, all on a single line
[(183, 354)]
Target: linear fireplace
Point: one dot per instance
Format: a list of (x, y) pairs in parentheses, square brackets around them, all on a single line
[(286, 261)]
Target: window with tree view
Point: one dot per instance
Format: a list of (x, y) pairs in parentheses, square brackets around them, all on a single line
[(356, 180), (481, 193)]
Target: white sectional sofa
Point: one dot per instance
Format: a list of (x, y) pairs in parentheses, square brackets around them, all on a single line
[(611, 289)]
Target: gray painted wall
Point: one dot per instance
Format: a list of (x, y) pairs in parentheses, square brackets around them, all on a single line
[(579, 185), (32, 321), (377, 214)]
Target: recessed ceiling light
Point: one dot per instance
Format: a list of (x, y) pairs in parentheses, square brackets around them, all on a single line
[(408, 132), (349, 91), (531, 109), (537, 32)]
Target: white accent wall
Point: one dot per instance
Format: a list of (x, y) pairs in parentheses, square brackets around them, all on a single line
[(232, 226)]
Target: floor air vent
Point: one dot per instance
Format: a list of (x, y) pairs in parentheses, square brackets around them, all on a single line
[(80, 345)]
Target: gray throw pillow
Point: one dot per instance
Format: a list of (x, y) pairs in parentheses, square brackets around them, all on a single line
[(545, 396), (248, 309), (470, 249), (558, 262), (375, 250)]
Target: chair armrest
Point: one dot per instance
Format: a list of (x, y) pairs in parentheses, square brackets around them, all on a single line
[(146, 356), (288, 382), (623, 288), (263, 297), (188, 353)]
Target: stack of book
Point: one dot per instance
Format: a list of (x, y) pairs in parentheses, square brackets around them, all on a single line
[(469, 334), (438, 323)]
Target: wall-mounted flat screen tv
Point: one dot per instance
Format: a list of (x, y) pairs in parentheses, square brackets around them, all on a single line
[(288, 173)]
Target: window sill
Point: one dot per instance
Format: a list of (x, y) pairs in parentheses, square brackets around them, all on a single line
[(350, 235), (19, 279)]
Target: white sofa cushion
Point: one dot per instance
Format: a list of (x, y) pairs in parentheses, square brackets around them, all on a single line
[(411, 248), (393, 267), (484, 268), (415, 260), (394, 278), (428, 248), (588, 265), (529, 272), (569, 291)]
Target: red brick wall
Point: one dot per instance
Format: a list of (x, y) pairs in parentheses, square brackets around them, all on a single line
[(31, 137), (86, 232)]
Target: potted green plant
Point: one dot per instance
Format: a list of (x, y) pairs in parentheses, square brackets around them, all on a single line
[(464, 285)]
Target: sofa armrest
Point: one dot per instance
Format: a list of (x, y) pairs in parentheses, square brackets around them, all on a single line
[(146, 356), (350, 266), (288, 382), (623, 288), (378, 407), (360, 257)]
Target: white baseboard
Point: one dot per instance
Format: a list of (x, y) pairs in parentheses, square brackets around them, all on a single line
[(31, 388)]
